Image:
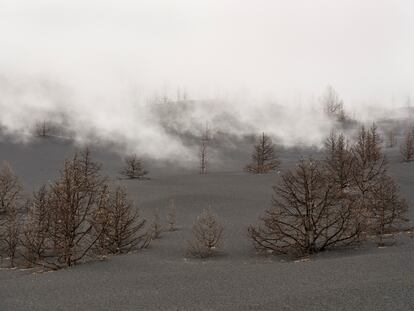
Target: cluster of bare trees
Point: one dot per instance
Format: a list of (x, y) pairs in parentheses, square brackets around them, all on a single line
[(264, 159), (337, 201), (75, 217)]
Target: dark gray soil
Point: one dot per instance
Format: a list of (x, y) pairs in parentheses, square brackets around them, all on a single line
[(162, 278)]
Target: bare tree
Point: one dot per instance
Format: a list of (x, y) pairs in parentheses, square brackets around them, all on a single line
[(338, 160), (207, 235), (172, 216), (369, 165), (205, 138), (123, 226), (10, 234), (74, 199), (156, 226), (10, 204), (333, 105), (391, 138), (36, 231), (134, 168), (309, 214), (388, 210), (264, 159), (10, 189), (407, 146), (43, 129)]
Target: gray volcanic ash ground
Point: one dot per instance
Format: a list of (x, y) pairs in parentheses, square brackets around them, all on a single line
[(162, 278)]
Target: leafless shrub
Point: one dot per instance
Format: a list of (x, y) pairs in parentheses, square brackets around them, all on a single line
[(264, 159), (207, 235), (171, 216), (388, 211), (134, 168), (309, 214), (407, 146), (156, 226)]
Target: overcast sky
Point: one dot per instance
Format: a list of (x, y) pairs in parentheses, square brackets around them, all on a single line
[(363, 48), (102, 51)]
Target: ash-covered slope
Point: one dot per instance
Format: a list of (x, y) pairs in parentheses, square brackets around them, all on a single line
[(162, 278)]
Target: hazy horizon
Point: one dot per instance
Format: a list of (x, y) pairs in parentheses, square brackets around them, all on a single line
[(103, 63)]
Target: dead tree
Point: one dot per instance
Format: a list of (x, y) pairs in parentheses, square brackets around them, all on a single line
[(74, 200), (407, 147), (43, 129), (369, 164), (10, 234), (36, 240), (205, 138), (207, 235), (388, 211), (264, 159), (333, 105), (172, 216), (338, 160), (10, 189), (123, 226), (156, 226), (134, 168), (10, 204), (309, 214), (391, 138)]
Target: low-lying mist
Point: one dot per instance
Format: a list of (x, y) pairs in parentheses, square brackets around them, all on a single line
[(150, 76), (159, 125)]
